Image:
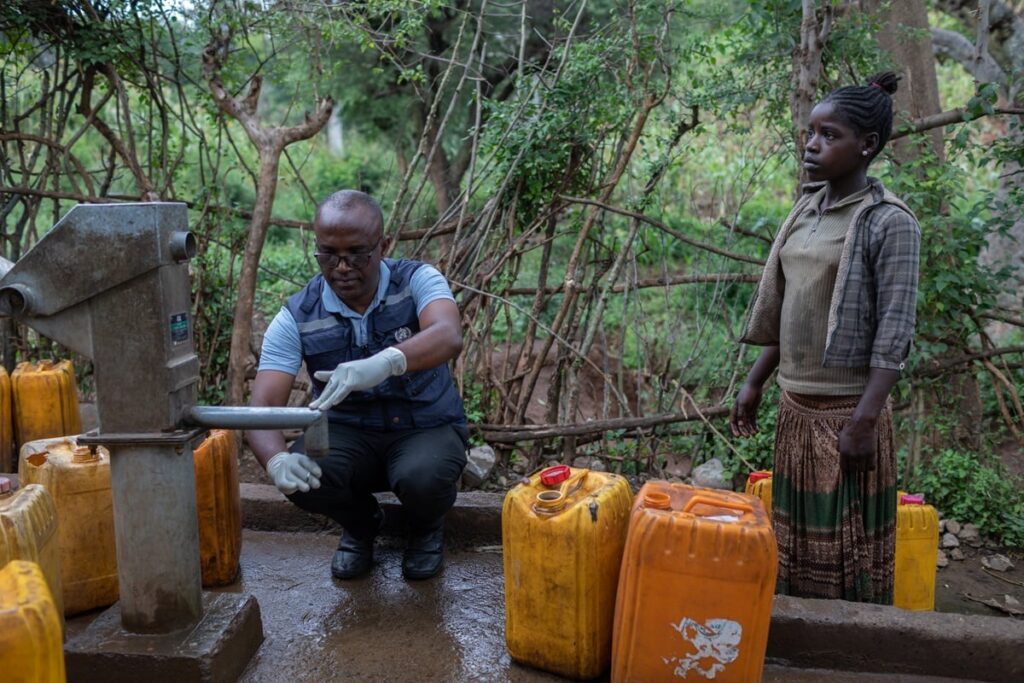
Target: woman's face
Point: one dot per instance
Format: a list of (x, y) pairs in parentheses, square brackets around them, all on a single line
[(834, 150)]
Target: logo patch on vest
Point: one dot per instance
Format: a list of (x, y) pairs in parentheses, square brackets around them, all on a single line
[(402, 333)]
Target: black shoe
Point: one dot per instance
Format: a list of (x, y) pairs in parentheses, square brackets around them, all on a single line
[(354, 556), (424, 555)]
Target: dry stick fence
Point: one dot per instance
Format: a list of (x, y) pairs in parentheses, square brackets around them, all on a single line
[(487, 247)]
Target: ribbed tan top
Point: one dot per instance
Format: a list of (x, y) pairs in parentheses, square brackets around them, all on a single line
[(810, 259)]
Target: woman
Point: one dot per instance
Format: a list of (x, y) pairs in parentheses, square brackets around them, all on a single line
[(834, 312)]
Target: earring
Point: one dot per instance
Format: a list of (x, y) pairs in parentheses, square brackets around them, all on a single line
[(865, 152)]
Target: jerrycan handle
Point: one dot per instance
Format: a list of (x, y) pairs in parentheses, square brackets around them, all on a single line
[(714, 502), (550, 502)]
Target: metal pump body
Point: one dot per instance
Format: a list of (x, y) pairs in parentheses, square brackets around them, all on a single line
[(111, 282)]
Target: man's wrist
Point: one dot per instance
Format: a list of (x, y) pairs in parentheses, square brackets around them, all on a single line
[(396, 359)]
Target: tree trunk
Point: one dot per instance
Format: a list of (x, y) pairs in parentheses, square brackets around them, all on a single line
[(271, 143), (807, 72), (241, 333), (906, 38)]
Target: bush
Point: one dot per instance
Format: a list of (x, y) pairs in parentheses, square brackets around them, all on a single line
[(972, 488)]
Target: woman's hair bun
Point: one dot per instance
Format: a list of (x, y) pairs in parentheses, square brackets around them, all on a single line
[(886, 81)]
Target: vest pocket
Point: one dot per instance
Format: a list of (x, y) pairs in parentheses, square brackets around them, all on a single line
[(415, 383)]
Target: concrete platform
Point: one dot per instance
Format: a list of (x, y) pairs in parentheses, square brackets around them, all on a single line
[(215, 649), (385, 629), (805, 634)]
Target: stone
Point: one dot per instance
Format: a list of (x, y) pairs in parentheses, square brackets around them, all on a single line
[(968, 531), (942, 526), (952, 526), (711, 475), (949, 541), (679, 466), (479, 466), (941, 560), (970, 535), (594, 464), (956, 554), (997, 563)]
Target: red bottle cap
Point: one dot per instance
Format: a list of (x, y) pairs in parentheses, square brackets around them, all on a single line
[(553, 476), (759, 475), (912, 499), (5, 485)]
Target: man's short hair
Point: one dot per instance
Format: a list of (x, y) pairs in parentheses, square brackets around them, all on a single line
[(353, 200)]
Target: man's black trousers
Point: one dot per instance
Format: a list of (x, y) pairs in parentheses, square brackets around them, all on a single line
[(421, 467)]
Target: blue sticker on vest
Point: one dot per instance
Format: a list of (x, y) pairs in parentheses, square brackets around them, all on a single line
[(179, 328)]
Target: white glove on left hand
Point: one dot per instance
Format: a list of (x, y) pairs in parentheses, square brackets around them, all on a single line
[(357, 375)]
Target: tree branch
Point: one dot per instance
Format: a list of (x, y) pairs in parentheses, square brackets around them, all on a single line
[(946, 118), (512, 434), (664, 228), (982, 68)]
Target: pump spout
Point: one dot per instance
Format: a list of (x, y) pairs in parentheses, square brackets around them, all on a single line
[(240, 417)]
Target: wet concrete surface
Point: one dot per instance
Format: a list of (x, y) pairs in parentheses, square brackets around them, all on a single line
[(384, 628)]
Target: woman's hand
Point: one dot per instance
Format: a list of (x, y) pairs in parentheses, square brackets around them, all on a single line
[(743, 419), (857, 444)]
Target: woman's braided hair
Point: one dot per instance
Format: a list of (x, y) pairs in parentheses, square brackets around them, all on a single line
[(867, 108)]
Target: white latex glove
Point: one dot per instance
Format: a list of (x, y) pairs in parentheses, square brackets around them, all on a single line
[(357, 375), (293, 472)]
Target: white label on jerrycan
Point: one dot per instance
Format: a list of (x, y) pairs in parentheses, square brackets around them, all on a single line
[(716, 644)]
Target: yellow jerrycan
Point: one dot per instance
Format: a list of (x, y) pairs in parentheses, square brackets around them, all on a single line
[(759, 485), (31, 642), (219, 507), (6, 426), (28, 531), (696, 587), (562, 535), (45, 400), (917, 543), (78, 480)]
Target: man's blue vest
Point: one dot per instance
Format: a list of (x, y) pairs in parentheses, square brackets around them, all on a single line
[(414, 400)]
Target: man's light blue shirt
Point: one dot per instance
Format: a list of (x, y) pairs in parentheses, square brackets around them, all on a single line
[(282, 349)]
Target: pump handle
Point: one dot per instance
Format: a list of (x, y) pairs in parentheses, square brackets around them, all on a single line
[(714, 502)]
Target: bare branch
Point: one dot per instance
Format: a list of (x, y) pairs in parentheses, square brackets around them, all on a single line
[(949, 117)]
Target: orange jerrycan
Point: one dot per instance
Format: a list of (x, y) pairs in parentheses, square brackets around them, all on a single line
[(562, 536), (28, 531), (6, 426), (219, 507), (695, 591), (759, 485), (917, 543), (31, 643), (45, 400), (78, 480)]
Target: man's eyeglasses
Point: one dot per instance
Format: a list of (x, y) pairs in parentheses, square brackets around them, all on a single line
[(330, 261)]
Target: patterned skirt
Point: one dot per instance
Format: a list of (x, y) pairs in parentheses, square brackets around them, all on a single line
[(836, 531)]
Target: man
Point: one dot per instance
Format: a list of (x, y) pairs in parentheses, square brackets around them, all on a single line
[(376, 335)]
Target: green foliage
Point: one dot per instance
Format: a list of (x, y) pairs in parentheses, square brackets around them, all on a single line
[(553, 152), (972, 488)]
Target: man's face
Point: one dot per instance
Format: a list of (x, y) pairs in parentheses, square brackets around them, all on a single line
[(349, 247)]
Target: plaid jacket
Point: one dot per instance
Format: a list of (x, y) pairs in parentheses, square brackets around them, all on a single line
[(872, 313)]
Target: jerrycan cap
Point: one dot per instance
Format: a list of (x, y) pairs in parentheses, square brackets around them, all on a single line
[(5, 485), (759, 475), (657, 500), (912, 499), (553, 476)]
